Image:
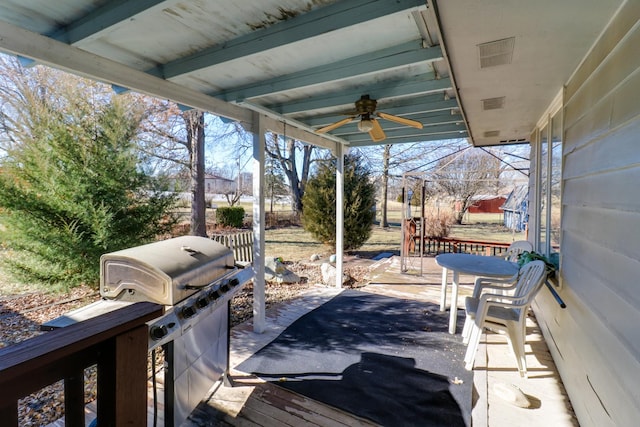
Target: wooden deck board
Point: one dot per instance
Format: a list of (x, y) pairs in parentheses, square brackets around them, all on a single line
[(252, 402)]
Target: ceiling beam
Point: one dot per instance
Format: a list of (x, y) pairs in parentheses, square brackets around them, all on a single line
[(59, 55), (386, 59), (413, 139), (319, 21), (407, 132), (386, 89), (102, 18), (293, 129)]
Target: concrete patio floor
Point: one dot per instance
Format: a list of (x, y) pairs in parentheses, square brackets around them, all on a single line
[(495, 368)]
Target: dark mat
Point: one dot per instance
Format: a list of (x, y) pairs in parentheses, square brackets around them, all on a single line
[(386, 359)]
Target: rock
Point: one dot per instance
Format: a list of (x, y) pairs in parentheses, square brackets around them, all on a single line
[(512, 394), (314, 257), (275, 271), (329, 274), (332, 259)]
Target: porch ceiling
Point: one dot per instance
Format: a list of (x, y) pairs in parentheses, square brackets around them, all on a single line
[(307, 61)]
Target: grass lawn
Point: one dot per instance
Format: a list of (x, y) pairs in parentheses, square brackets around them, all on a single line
[(295, 244)]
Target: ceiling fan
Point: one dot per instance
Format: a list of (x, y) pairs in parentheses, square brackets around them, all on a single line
[(366, 110)]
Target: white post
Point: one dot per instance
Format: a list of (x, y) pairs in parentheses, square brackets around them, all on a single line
[(259, 319), (339, 213)]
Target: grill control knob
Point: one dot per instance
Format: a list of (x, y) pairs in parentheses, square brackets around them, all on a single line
[(213, 295), (234, 282), (202, 302), (225, 287), (158, 332), (188, 311)]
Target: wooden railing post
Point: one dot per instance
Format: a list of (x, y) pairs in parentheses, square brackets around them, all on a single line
[(9, 413), (122, 380), (74, 399)]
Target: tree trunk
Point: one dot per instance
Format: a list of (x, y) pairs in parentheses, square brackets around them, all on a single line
[(194, 121), (288, 163), (385, 186)]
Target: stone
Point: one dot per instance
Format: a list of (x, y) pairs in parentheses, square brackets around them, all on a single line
[(329, 274), (512, 394), (314, 257), (275, 271)]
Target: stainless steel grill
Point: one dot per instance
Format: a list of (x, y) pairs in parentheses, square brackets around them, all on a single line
[(195, 279), (164, 272)]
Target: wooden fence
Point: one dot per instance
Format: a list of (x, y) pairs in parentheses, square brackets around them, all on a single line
[(241, 243)]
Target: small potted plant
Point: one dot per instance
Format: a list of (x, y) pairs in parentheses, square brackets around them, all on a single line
[(551, 263)]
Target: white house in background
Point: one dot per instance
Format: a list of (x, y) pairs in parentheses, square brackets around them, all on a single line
[(213, 184)]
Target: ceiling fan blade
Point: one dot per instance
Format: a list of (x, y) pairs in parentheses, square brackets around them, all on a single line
[(335, 125), (377, 134), (401, 120)]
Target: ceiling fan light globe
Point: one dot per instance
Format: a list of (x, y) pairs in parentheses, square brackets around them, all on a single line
[(365, 125)]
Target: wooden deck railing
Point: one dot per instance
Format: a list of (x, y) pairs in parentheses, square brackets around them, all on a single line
[(116, 342), (447, 245)]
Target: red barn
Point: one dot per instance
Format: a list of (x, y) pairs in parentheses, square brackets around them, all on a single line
[(487, 204)]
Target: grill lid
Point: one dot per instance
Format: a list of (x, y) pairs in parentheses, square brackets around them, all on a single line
[(165, 272)]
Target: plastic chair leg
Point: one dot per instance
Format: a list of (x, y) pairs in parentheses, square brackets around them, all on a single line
[(474, 340), (517, 340), (466, 330)]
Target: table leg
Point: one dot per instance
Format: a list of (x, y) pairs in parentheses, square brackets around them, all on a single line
[(453, 313), (443, 291)]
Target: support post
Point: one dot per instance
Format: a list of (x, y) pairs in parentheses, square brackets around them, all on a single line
[(339, 214), (259, 301), (74, 398)]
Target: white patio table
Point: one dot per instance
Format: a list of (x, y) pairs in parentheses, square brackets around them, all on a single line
[(477, 265)]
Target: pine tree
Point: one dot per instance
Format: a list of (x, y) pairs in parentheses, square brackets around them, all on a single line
[(319, 203), (71, 191)]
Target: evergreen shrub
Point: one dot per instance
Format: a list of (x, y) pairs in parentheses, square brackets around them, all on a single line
[(319, 203), (230, 216)]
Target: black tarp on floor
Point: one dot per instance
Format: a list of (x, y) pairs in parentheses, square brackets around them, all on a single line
[(386, 359)]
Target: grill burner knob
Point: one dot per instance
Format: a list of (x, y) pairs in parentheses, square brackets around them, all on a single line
[(202, 302), (214, 295), (158, 332), (225, 287), (234, 282), (188, 311)]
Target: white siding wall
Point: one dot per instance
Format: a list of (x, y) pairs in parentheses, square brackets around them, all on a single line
[(596, 339)]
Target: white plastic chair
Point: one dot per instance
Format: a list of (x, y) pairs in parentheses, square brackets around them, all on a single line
[(503, 286), (504, 313), (481, 283), (516, 248)]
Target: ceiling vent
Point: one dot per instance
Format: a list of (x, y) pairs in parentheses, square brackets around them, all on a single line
[(499, 52), (493, 103), (491, 133)]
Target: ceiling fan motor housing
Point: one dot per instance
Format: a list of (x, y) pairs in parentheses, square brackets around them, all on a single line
[(366, 105)]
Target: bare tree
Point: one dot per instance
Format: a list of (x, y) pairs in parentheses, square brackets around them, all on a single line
[(285, 152), (466, 175), (386, 155), (399, 158), (175, 142), (194, 123)]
